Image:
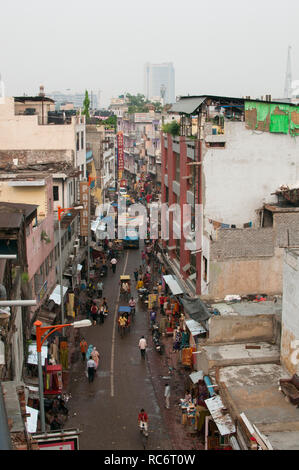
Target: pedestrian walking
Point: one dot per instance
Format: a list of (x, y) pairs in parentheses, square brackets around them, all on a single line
[(136, 275), (102, 314), (161, 301), (100, 287), (142, 346), (91, 367), (167, 396), (95, 356), (113, 264), (83, 347), (94, 313), (140, 271), (153, 316), (143, 257)]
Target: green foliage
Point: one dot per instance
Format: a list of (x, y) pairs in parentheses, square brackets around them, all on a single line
[(25, 277), (110, 122), (45, 237), (158, 107), (139, 104), (172, 128), (86, 104)]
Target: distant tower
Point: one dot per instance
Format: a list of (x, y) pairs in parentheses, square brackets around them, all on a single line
[(288, 80), (42, 91), (163, 93)]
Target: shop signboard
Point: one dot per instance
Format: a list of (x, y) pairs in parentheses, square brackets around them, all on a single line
[(57, 440), (120, 151), (84, 212)]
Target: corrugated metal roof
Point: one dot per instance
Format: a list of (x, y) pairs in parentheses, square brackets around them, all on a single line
[(222, 419), (187, 105), (195, 328)]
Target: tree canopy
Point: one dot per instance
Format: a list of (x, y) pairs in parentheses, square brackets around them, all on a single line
[(86, 104), (139, 104)]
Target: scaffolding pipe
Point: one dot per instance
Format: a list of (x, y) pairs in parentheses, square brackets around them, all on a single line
[(17, 303)]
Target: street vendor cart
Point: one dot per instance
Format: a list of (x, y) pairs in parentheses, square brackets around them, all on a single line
[(124, 312), (118, 247)]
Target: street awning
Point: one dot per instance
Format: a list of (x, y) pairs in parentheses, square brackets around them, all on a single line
[(195, 328), (196, 376), (173, 284), (55, 296), (195, 308)]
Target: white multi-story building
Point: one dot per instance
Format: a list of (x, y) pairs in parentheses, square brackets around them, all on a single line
[(119, 106)]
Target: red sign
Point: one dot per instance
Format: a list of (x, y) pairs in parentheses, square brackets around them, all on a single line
[(120, 151), (84, 213)]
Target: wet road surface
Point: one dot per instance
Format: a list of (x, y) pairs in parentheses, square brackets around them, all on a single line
[(106, 410)]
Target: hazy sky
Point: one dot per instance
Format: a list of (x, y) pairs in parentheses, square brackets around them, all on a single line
[(224, 47)]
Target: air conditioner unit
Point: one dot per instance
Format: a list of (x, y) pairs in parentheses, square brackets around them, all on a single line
[(77, 241), (192, 277), (72, 257)]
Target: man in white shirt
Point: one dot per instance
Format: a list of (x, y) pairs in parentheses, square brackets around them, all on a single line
[(142, 346), (91, 367), (113, 264)]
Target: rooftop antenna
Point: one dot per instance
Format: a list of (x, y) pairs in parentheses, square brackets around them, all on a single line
[(288, 79)]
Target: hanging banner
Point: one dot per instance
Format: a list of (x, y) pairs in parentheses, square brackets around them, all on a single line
[(120, 151), (84, 213)]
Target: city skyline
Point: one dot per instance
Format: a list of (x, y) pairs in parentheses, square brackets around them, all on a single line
[(221, 57)]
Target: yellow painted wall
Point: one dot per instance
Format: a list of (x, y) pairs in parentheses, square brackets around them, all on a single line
[(25, 195)]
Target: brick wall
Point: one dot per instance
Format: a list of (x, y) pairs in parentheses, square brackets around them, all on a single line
[(33, 157), (286, 226), (242, 243)]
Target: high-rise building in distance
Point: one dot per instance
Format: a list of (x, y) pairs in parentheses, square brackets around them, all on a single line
[(159, 82)]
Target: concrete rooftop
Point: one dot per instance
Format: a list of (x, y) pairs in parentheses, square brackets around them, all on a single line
[(238, 354), (247, 308), (254, 390)]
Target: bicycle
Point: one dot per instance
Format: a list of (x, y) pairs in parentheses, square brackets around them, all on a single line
[(143, 434)]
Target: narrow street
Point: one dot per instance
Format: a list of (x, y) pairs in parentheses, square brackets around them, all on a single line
[(106, 410)]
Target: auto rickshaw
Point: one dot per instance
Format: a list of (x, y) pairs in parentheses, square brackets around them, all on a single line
[(124, 312), (125, 287)]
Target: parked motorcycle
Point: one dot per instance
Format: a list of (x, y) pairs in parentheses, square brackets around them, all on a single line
[(56, 405), (143, 294), (103, 271), (159, 347)]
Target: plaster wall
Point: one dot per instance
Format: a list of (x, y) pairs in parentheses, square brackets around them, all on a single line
[(239, 328), (19, 132), (239, 178), (290, 318)]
